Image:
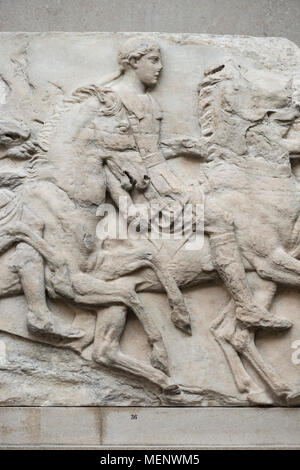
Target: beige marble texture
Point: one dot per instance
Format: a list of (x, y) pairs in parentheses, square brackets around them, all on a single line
[(152, 428), (87, 117)]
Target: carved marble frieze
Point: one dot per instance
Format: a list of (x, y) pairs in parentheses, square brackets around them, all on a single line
[(149, 220)]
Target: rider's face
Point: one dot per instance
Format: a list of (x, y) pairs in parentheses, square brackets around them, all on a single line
[(148, 68)]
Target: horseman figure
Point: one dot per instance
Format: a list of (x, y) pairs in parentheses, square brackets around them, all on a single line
[(140, 67), (105, 139)]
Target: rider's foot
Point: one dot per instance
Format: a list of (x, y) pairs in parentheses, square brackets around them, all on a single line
[(255, 317), (45, 325)]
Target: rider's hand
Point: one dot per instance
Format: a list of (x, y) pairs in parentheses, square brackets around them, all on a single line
[(23, 152)]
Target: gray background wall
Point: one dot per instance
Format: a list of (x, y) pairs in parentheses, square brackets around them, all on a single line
[(246, 17)]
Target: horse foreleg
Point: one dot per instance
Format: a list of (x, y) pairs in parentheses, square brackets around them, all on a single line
[(94, 291), (110, 325), (20, 232), (126, 263), (279, 267), (180, 315)]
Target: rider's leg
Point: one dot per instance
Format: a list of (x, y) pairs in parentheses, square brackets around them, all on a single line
[(29, 266), (228, 262)]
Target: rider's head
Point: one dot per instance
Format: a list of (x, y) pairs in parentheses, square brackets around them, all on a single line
[(141, 56)]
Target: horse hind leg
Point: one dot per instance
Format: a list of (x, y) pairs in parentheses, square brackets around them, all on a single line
[(29, 267), (99, 292), (244, 341), (180, 314), (246, 347), (232, 340), (222, 329), (110, 325)]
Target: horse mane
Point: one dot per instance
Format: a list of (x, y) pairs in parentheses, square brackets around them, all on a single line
[(62, 159), (78, 96)]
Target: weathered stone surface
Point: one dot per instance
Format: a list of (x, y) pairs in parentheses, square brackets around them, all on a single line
[(210, 427), (38, 426), (261, 18), (173, 122), (88, 427)]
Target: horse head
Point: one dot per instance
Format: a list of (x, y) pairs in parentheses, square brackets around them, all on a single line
[(246, 112), (12, 132)]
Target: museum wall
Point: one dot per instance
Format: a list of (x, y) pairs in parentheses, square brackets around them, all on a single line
[(256, 18)]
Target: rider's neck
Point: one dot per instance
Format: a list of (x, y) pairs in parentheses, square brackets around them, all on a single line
[(130, 80)]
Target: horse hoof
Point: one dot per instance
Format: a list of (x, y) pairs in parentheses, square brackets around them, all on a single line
[(160, 365), (172, 389), (293, 398), (180, 316), (43, 330), (182, 323), (260, 398), (38, 326)]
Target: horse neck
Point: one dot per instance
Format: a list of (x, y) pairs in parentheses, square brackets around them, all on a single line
[(251, 164), (67, 161)]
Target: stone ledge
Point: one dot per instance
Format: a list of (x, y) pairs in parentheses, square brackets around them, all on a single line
[(144, 428)]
